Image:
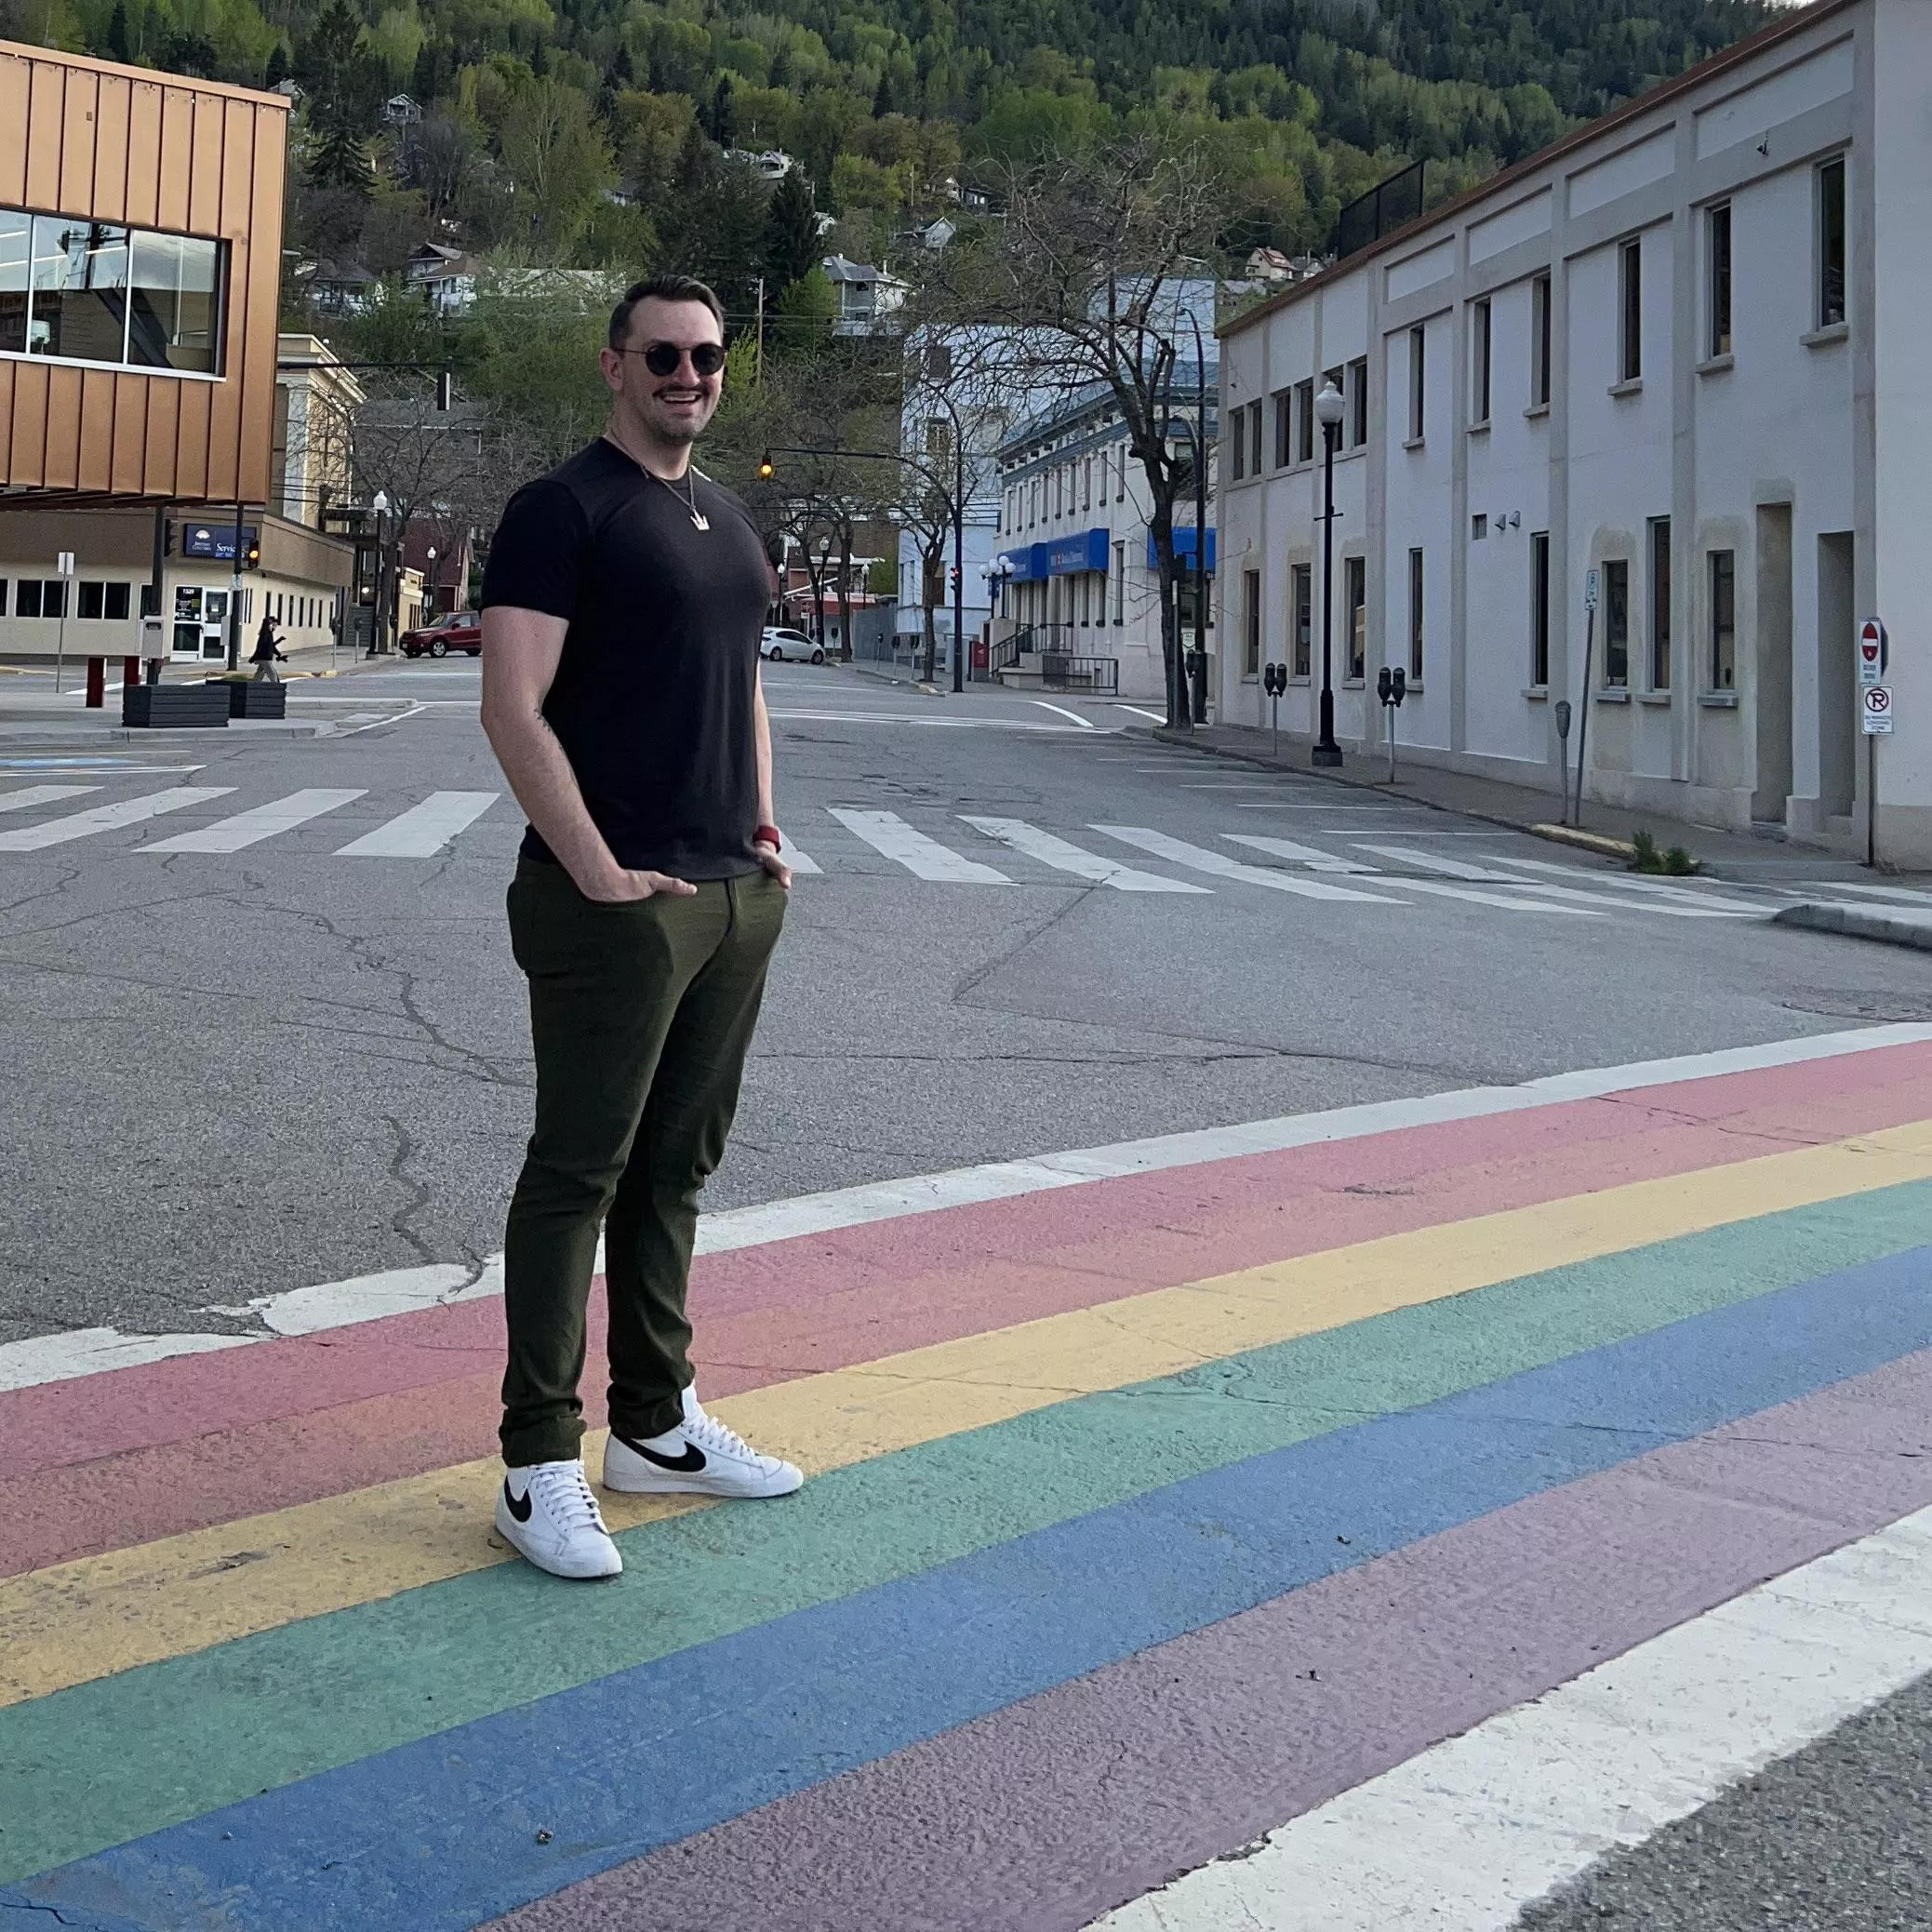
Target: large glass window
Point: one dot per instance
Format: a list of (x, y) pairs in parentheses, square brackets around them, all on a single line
[(1717, 233), (1629, 275), (1659, 604), (1723, 619), (1540, 609), (1301, 618), (1830, 242), (1355, 580), (1617, 623), (96, 292)]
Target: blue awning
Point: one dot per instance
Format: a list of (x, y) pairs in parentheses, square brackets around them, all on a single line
[(1070, 555), (1184, 543), (1026, 566)]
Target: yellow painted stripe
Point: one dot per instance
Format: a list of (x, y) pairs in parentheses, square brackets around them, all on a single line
[(100, 1615)]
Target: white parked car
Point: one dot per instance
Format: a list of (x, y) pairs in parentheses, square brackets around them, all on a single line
[(781, 642)]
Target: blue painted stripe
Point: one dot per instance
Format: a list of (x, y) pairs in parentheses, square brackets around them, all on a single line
[(444, 1834)]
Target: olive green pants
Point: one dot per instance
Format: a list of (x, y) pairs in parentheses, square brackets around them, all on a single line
[(641, 1015)]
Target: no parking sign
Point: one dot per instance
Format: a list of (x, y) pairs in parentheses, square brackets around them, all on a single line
[(1875, 710)]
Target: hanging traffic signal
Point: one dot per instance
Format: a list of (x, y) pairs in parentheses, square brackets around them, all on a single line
[(766, 470)]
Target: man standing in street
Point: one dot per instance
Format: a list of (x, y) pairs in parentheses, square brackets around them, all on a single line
[(622, 604)]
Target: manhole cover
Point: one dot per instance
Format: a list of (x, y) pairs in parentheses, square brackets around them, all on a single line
[(1881, 1006)]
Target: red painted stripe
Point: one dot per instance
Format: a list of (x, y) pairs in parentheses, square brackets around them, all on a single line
[(1154, 1229), (431, 1406)]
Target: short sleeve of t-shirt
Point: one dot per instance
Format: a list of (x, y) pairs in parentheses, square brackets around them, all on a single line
[(536, 557)]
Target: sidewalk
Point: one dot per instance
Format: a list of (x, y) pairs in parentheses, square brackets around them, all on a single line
[(1722, 855), (1160, 1494)]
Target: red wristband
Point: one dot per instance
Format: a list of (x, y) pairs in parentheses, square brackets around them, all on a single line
[(769, 835)]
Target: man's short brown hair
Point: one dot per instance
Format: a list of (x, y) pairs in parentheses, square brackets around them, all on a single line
[(662, 288)]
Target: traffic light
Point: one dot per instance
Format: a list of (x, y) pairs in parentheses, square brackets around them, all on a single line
[(766, 470), (252, 555)]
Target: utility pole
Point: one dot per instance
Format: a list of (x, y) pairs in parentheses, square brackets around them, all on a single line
[(758, 358)]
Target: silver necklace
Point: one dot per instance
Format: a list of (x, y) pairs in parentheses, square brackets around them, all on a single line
[(688, 496)]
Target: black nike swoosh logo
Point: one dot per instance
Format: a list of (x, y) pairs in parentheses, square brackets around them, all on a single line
[(519, 1505), (689, 1464)]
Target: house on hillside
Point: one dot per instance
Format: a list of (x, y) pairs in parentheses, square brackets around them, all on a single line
[(868, 297), (333, 287), (446, 277)]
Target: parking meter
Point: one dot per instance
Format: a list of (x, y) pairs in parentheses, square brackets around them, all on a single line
[(1392, 687), (1274, 681)]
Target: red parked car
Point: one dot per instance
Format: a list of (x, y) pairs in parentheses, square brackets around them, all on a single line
[(454, 631)]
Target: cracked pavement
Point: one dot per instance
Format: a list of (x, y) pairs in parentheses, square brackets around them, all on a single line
[(228, 1076)]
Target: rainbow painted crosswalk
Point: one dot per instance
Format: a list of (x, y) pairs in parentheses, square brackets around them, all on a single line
[(1149, 1513)]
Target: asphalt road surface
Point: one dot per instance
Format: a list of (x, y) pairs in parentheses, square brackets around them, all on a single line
[(300, 1053)]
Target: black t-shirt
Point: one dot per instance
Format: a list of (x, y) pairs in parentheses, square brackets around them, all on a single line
[(654, 694)]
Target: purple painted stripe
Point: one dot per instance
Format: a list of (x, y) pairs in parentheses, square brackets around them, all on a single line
[(1056, 1809)]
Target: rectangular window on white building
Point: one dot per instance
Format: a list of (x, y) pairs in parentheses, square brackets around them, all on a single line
[(1251, 623), (1418, 381), (1087, 483), (1539, 342), (1239, 439), (1630, 310), (1415, 615), (1284, 402), (1616, 623), (1717, 245), (1540, 609), (1301, 618), (1479, 362), (1120, 583), (1659, 604), (1358, 403), (1723, 619), (1354, 578), (1830, 242), (1305, 421), (1254, 436)]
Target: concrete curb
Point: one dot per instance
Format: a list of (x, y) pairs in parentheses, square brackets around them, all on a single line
[(885, 677), (1891, 925), (1587, 841)]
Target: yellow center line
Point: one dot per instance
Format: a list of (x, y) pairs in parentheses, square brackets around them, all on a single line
[(100, 1615)]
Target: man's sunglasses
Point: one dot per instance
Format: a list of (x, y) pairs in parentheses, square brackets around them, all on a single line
[(662, 358)]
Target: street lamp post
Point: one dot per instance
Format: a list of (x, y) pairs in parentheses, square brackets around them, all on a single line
[(1328, 413), (377, 616), (1200, 666), (435, 585)]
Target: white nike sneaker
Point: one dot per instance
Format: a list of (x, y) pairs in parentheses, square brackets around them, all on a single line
[(548, 1514), (701, 1457)]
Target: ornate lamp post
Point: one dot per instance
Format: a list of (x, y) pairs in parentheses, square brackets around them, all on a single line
[(1328, 413)]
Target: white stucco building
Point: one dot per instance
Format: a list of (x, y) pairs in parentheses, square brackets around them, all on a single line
[(1685, 348), (1076, 575)]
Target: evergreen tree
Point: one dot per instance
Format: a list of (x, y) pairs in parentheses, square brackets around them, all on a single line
[(277, 59), (882, 97), (790, 230), (118, 44), (339, 158), (724, 113)]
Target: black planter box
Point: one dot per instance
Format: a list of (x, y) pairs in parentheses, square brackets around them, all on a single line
[(175, 704), (254, 701)]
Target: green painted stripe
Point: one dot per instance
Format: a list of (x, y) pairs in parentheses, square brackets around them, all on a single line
[(114, 1760)]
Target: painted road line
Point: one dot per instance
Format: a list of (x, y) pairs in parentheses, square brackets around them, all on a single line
[(1900, 894), (30, 795), (1462, 868), (44, 1359), (1068, 857), (1138, 712), (892, 838), (1084, 723), (423, 830), (1104, 1788), (1463, 1836), (653, 1751), (108, 817), (1648, 888), (1287, 848), (1199, 859), (259, 822), (799, 862), (900, 717), (97, 1616), (1312, 857)]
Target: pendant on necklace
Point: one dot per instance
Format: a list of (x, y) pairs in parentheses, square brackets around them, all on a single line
[(699, 522)]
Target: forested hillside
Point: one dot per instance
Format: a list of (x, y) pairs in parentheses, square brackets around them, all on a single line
[(590, 132)]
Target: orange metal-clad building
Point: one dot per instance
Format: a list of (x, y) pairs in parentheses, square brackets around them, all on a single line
[(140, 237)]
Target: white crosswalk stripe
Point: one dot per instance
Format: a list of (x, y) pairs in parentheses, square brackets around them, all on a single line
[(891, 838), (1458, 869), (1427, 888), (1065, 857), (262, 821), (1685, 894), (799, 862), (30, 795), (107, 818), (1899, 895), (1218, 865), (1312, 857), (423, 830)]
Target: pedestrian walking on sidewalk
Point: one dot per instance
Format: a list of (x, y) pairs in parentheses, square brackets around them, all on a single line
[(267, 654), (622, 607)]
